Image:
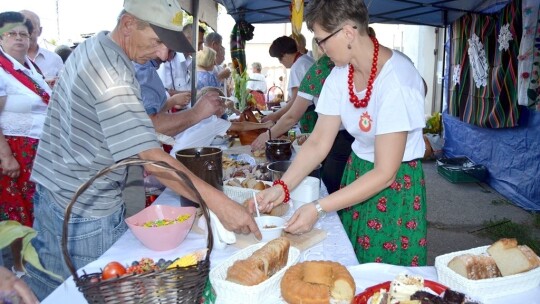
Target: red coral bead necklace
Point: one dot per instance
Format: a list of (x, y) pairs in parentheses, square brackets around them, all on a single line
[(362, 103)]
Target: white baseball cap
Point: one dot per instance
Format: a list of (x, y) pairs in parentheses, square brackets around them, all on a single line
[(165, 18)]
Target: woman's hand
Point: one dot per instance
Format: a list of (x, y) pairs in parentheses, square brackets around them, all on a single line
[(13, 289), (302, 220), (267, 199), (260, 142), (10, 166)]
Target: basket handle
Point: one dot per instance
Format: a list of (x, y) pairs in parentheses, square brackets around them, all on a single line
[(268, 92), (126, 163)]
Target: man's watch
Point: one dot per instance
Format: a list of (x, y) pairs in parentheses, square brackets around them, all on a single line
[(320, 211)]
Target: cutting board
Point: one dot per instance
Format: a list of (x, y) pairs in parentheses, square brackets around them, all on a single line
[(300, 241)]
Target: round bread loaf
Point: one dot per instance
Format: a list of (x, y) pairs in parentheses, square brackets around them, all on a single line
[(314, 282)]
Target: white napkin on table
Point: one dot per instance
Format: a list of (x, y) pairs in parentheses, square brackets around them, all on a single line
[(200, 134), (222, 236)]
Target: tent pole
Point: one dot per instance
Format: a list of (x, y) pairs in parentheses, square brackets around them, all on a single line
[(195, 38), (437, 54)]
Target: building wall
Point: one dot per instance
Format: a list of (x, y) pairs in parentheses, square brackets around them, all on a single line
[(417, 42)]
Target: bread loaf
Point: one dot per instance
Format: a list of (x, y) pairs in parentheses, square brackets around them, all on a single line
[(262, 264), (511, 258), (474, 267)]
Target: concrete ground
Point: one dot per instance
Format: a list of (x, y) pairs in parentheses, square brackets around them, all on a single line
[(455, 211)]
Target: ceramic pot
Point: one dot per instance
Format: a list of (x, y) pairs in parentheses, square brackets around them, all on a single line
[(205, 162), (278, 149)]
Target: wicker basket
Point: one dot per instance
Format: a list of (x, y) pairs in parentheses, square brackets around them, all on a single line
[(268, 291), (487, 288), (175, 285), (239, 194)]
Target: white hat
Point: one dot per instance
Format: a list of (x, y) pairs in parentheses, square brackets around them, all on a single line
[(165, 18)]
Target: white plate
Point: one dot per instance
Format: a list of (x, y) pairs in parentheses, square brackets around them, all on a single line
[(220, 140)]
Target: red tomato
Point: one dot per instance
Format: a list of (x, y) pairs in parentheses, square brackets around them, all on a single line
[(113, 270)]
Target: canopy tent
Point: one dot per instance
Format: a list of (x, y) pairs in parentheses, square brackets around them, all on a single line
[(482, 142), (420, 12)]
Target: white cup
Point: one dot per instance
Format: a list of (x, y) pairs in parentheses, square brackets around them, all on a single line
[(307, 191)]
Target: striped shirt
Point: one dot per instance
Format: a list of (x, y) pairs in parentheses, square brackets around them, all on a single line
[(95, 119)]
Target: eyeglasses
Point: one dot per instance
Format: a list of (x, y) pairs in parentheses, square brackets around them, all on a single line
[(322, 41), (13, 34)]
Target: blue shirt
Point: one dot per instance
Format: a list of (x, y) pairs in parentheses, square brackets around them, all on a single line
[(153, 92), (206, 79)]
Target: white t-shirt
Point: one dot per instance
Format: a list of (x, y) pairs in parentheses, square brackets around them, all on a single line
[(396, 105), (176, 74), (49, 63), (2, 87), (24, 112), (258, 83), (298, 71)]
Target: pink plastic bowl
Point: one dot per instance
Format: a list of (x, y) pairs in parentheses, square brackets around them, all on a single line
[(165, 237)]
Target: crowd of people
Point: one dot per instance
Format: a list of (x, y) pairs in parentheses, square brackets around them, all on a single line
[(66, 115)]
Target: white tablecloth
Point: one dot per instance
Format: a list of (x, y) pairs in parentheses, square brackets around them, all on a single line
[(335, 247)]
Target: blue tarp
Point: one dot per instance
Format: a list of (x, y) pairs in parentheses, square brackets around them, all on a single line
[(511, 155), (420, 12)]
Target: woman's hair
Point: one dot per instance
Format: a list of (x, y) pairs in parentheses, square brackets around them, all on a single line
[(331, 14), (206, 58), (281, 46), (14, 17)]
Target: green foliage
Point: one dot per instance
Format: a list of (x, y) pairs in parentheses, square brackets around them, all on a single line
[(240, 89), (434, 124), (508, 229)]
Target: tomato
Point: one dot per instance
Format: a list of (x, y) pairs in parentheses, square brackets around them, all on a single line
[(113, 270)]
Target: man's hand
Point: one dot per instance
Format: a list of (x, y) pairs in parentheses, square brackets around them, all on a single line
[(209, 104), (237, 218)]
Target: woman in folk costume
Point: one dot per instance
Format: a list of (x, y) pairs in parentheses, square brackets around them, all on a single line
[(22, 116), (378, 96)]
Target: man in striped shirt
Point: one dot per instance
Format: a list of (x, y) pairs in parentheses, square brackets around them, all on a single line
[(95, 119)]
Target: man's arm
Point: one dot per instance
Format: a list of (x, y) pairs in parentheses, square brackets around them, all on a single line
[(231, 214), (173, 123)]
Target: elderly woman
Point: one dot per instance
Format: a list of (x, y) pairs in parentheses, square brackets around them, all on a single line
[(206, 60), (21, 122), (378, 96)]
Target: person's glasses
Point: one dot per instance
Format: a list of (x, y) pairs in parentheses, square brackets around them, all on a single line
[(322, 41), (13, 34)]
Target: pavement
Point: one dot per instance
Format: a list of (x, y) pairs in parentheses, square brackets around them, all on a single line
[(455, 212), (458, 212)]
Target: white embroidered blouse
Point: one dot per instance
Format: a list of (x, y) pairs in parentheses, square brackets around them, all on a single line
[(24, 111)]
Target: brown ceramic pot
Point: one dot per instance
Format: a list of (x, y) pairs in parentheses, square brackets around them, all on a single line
[(278, 149)]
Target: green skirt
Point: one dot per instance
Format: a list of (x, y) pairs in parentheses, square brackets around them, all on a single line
[(308, 120), (390, 227)]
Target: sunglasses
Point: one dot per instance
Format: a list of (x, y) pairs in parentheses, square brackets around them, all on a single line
[(322, 41)]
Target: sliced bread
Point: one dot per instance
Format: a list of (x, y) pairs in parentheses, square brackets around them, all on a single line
[(511, 258)]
